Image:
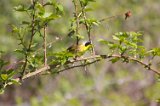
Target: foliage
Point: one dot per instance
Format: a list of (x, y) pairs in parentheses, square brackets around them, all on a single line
[(126, 47)]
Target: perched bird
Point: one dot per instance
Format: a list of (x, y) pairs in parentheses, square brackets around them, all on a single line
[(80, 49)]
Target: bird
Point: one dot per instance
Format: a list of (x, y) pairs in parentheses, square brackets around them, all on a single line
[(80, 49)]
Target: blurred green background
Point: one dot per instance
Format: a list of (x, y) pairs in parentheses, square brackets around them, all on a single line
[(104, 83)]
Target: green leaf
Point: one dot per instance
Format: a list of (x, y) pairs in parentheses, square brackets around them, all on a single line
[(47, 17), (88, 9), (34, 45), (71, 33), (15, 29), (86, 2), (103, 41), (40, 8), (48, 14), (155, 51), (80, 36), (14, 81), (20, 8), (3, 63), (48, 3), (25, 22), (19, 51), (122, 49), (10, 73), (116, 38), (59, 9), (92, 21), (1, 90), (142, 52), (4, 77), (96, 23), (114, 60), (110, 44)]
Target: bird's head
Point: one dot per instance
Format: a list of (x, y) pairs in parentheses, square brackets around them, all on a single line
[(88, 43)]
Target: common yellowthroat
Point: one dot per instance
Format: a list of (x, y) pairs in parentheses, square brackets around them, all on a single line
[(79, 49)]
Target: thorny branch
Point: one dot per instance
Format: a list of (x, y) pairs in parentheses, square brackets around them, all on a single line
[(93, 59)]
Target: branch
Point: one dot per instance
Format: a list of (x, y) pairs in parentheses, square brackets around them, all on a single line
[(36, 72), (45, 42), (77, 20), (138, 61), (97, 57), (45, 46), (81, 65), (100, 57), (33, 73)]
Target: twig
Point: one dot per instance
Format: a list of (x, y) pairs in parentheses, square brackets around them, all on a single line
[(87, 58), (111, 17), (77, 21), (36, 72), (81, 65), (33, 73), (45, 42)]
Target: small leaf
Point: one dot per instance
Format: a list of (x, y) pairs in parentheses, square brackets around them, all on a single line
[(86, 2), (25, 22), (59, 8), (3, 63), (14, 81), (96, 23), (48, 17), (20, 8), (88, 9), (114, 60), (103, 41), (19, 51), (15, 29), (71, 33), (1, 90), (10, 73), (155, 51), (40, 8), (116, 38), (80, 36), (48, 3), (4, 77)]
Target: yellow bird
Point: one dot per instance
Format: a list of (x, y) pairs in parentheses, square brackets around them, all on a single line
[(80, 49)]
